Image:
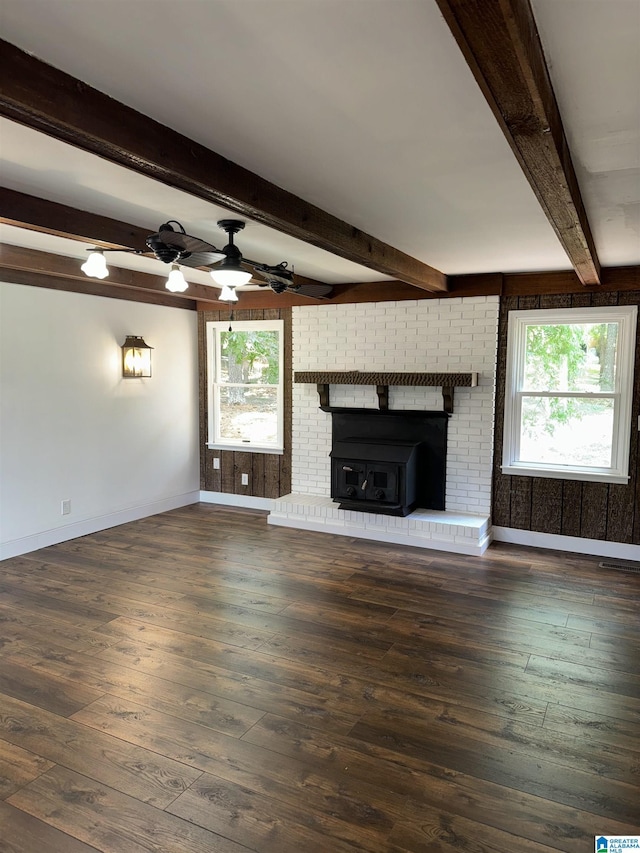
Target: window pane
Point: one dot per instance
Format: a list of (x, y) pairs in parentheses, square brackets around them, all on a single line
[(563, 431), (248, 357), (571, 357), (249, 414)]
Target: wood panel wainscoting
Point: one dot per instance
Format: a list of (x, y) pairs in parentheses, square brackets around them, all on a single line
[(269, 473), (567, 507), (199, 682)]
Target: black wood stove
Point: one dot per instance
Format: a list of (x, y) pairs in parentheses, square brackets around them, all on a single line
[(388, 462)]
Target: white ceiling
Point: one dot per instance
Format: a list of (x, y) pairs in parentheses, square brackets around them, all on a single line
[(365, 108)]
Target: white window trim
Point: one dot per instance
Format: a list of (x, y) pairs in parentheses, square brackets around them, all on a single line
[(213, 330), (626, 317)]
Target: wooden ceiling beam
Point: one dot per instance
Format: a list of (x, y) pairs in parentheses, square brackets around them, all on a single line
[(60, 220), (41, 269), (566, 281), (93, 287), (59, 268), (27, 260), (51, 101), (623, 279), (500, 42)]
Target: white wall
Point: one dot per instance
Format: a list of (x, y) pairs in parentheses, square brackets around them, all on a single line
[(72, 428), (429, 335)]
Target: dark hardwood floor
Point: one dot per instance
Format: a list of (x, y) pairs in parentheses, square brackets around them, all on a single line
[(200, 681)]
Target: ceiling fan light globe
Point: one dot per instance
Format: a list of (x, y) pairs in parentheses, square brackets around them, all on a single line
[(228, 294), (230, 277), (95, 266), (176, 282)]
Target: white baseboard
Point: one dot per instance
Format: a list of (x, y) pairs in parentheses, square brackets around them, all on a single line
[(596, 547), (575, 544), (15, 547), (226, 499)]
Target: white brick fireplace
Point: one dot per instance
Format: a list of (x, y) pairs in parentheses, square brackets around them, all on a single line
[(431, 335)]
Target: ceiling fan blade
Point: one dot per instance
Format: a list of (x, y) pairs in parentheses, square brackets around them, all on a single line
[(314, 291), (201, 259), (186, 243)]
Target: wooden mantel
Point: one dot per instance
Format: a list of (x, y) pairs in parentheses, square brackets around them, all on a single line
[(324, 378)]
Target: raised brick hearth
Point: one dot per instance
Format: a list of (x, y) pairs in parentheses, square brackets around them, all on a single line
[(459, 532)]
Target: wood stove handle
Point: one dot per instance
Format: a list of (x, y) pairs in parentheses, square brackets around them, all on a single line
[(365, 482)]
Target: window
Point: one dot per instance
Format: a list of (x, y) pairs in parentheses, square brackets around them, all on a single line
[(246, 386), (568, 393)]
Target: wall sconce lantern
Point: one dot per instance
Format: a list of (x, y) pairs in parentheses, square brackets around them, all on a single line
[(136, 358)]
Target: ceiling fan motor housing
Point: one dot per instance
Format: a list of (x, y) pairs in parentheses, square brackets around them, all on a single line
[(164, 253), (231, 226), (232, 252)]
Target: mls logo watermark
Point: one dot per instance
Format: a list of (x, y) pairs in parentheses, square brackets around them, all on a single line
[(616, 843)]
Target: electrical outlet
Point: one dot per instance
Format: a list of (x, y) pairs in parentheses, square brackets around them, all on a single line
[(245, 479), (216, 463), (65, 507)]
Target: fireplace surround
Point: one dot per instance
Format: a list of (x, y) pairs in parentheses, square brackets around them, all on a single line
[(446, 335)]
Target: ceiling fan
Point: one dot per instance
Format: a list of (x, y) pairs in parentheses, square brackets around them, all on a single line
[(279, 277), (227, 266)]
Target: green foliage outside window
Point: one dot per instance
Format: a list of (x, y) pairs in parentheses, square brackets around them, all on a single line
[(252, 357), (566, 358)]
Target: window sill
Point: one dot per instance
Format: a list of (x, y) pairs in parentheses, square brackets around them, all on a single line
[(565, 474), (247, 448)]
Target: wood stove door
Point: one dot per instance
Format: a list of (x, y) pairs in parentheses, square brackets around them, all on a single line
[(347, 480), (365, 481), (381, 483)]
